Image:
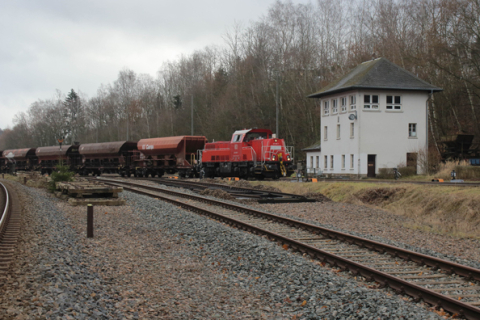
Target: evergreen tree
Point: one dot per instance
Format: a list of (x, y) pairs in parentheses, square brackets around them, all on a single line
[(72, 110)]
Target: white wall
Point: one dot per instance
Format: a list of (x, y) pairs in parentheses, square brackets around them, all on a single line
[(382, 132), (310, 165)]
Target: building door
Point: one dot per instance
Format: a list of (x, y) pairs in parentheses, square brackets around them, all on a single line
[(412, 161), (371, 165)]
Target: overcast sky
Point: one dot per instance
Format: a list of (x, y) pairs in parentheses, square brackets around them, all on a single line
[(57, 44)]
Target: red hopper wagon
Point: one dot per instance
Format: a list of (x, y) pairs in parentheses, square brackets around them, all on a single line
[(170, 154), (20, 159)]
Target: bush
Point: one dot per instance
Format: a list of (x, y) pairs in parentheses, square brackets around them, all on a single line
[(385, 173), (407, 171), (62, 174), (389, 173)]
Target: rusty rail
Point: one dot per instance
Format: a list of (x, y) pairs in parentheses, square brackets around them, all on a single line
[(399, 285), (9, 227)]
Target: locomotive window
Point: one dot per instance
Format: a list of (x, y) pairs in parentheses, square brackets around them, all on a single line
[(237, 138), (255, 136)]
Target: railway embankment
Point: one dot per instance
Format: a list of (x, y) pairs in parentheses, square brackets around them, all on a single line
[(437, 209)]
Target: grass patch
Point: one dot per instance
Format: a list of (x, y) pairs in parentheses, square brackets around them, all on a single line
[(437, 209)]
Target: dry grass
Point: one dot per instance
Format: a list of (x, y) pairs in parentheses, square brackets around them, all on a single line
[(437, 209), (464, 171), (33, 179)]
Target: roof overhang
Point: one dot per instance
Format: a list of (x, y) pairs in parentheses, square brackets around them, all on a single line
[(340, 90)]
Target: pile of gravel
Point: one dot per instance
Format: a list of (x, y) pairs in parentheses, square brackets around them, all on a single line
[(318, 197), (217, 193)]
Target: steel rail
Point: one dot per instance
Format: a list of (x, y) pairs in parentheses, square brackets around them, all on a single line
[(398, 284), (419, 258), (6, 210)]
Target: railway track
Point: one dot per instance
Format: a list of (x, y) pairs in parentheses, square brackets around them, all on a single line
[(9, 225), (441, 283), (263, 196), (447, 184)]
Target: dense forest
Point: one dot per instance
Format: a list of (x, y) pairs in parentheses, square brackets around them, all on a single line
[(295, 49)]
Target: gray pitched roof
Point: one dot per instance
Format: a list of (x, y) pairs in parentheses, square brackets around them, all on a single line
[(377, 74), (314, 147)]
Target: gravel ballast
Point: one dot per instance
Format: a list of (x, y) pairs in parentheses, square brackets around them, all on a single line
[(153, 260)]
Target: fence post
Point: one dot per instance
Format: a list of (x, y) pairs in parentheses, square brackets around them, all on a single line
[(89, 221)]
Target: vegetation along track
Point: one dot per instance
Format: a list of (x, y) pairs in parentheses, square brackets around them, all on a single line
[(9, 225), (441, 283)]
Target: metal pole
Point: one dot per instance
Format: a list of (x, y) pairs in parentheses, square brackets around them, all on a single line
[(276, 104), (128, 120), (89, 221), (192, 115)]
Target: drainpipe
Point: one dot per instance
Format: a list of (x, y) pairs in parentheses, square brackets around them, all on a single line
[(426, 119), (358, 137)]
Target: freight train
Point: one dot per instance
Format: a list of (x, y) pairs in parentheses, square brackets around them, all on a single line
[(251, 153)]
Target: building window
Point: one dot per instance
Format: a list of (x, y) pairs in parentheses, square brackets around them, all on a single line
[(370, 102), (325, 133), (343, 161), (352, 130), (334, 106), (311, 161), (338, 131), (331, 162), (353, 102), (318, 162), (325, 162), (394, 103), (351, 161), (344, 104), (412, 130), (326, 108)]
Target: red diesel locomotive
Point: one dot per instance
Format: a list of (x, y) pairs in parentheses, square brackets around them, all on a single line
[(255, 153)]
